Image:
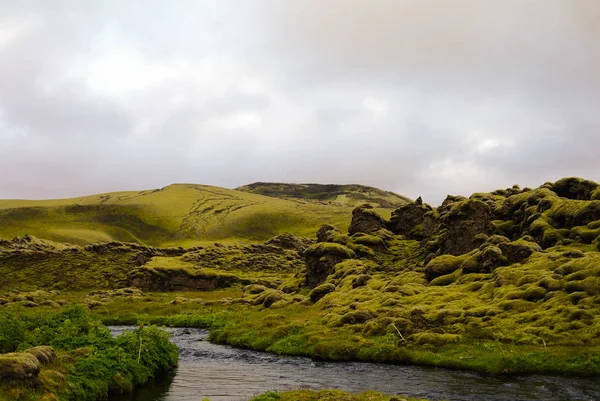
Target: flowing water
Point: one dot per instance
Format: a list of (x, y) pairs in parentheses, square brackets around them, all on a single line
[(223, 373)]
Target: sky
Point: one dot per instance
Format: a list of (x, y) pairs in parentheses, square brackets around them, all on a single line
[(424, 98)]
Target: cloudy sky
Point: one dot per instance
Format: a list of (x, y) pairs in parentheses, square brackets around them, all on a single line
[(423, 97)]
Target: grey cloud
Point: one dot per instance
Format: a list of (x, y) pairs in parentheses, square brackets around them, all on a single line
[(421, 97)]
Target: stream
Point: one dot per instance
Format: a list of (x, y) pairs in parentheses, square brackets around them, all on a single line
[(223, 373)]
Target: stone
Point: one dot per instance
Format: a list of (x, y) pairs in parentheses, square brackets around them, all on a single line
[(366, 220)]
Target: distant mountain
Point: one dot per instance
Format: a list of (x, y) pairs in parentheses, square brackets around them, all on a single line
[(188, 214), (345, 195)]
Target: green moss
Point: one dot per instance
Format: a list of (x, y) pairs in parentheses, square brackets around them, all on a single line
[(443, 265), (324, 248), (326, 395), (320, 291)]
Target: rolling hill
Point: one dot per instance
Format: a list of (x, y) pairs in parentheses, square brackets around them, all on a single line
[(188, 214), (344, 195)]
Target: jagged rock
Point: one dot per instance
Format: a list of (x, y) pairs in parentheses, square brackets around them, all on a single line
[(366, 220), (321, 258), (408, 220), (462, 225)]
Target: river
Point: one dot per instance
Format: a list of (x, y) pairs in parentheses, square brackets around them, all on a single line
[(223, 373)]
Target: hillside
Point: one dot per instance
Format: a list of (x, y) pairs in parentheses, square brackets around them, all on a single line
[(500, 282), (180, 214), (345, 195)]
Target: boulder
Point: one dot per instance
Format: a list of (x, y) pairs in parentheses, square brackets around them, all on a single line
[(442, 265), (321, 258), (326, 233), (320, 291), (44, 354), (517, 251), (575, 188), (484, 261), (366, 220), (355, 317), (408, 220), (463, 224), (19, 366)]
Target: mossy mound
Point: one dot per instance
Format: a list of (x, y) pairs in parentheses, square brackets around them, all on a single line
[(19, 366)]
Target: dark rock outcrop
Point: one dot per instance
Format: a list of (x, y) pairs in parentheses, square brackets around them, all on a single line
[(575, 188), (366, 220), (462, 225), (408, 220), (182, 280), (321, 258), (326, 232)]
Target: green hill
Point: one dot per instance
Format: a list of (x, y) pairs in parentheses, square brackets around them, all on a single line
[(179, 214), (344, 195)]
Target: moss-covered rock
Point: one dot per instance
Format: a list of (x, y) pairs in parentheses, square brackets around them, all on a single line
[(443, 265), (43, 353), (484, 261), (519, 250), (19, 366), (321, 258), (319, 292), (408, 220), (575, 188), (366, 220), (355, 317)]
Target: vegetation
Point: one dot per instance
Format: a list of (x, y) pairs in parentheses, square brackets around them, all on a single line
[(326, 395), (67, 355), (352, 195), (501, 282), (180, 214)]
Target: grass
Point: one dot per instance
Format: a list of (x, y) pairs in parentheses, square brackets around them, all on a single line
[(523, 297), (79, 359), (327, 395), (181, 214)]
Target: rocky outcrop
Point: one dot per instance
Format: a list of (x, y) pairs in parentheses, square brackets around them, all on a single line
[(574, 188), (182, 280), (326, 233), (463, 225), (408, 220), (366, 220), (321, 258), (288, 241)]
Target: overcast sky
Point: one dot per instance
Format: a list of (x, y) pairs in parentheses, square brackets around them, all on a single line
[(420, 97)]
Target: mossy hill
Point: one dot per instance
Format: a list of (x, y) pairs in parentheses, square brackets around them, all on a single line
[(500, 282), (180, 214), (344, 195)]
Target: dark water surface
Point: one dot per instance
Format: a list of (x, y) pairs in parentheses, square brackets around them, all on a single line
[(223, 373)]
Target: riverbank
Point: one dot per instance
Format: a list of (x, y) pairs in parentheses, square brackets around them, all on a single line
[(299, 331), (67, 355), (328, 395)]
